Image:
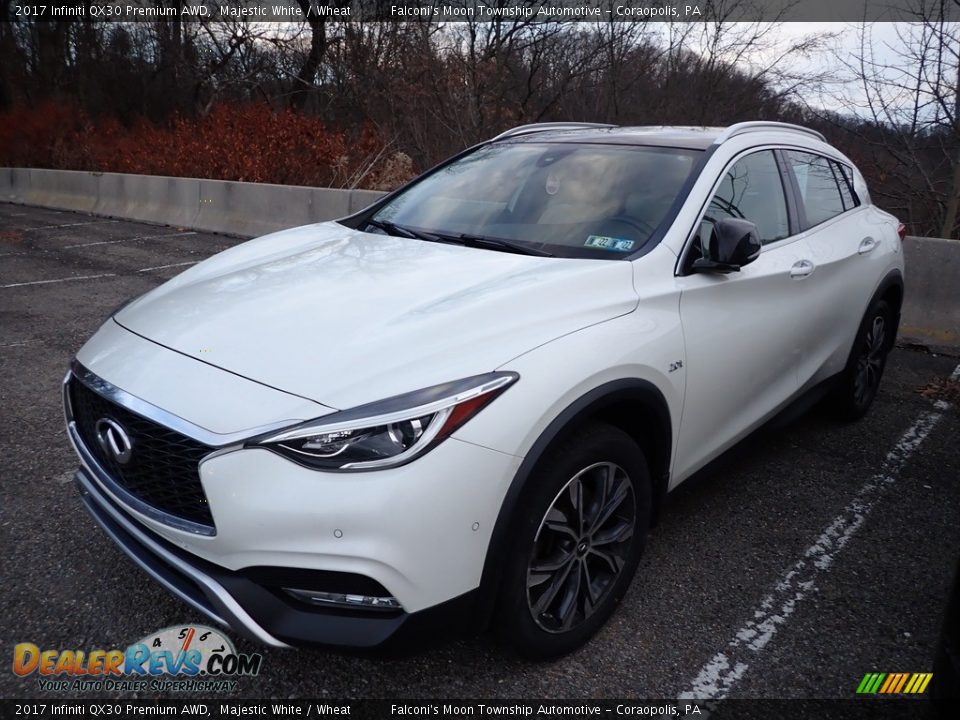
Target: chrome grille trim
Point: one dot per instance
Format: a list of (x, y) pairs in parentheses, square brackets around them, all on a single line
[(96, 469), (163, 417), (123, 497)]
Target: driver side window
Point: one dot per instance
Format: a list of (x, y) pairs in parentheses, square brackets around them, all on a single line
[(752, 190)]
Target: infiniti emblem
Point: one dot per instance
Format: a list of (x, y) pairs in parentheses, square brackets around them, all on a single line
[(114, 440)]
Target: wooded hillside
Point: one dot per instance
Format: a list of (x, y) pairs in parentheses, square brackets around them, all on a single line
[(369, 105)]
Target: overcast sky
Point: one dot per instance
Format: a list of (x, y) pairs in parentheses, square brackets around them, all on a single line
[(841, 38)]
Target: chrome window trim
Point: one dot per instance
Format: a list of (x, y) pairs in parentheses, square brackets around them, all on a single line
[(850, 185), (681, 257), (692, 233)]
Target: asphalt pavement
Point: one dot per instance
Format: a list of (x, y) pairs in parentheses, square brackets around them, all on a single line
[(820, 553)]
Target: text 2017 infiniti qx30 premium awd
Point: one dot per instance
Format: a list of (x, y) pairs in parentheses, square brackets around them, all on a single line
[(468, 400)]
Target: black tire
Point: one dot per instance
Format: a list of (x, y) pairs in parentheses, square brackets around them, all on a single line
[(860, 379), (598, 470)]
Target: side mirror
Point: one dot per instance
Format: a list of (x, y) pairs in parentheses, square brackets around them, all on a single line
[(733, 243)]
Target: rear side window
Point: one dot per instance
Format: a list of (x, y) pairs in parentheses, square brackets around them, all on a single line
[(819, 189), (752, 190), (845, 181)]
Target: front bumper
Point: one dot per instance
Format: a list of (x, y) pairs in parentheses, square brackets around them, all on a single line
[(256, 611), (418, 533)]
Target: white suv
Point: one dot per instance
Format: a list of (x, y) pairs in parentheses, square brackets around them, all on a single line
[(467, 402)]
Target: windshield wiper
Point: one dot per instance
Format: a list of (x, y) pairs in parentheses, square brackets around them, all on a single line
[(400, 230), (490, 243), (478, 241)]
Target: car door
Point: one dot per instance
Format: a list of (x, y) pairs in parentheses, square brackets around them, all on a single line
[(743, 331), (847, 255)]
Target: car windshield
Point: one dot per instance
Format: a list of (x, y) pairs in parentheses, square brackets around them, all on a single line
[(565, 199)]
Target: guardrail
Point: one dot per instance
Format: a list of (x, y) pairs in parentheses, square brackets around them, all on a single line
[(931, 312)]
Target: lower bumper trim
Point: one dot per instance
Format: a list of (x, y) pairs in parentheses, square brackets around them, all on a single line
[(183, 579), (265, 614)]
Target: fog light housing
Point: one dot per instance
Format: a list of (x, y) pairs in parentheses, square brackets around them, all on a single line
[(345, 601)]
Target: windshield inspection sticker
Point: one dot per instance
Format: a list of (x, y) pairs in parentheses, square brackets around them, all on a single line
[(609, 243)]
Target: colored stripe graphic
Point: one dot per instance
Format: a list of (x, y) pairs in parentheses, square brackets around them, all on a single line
[(894, 683), (891, 681)]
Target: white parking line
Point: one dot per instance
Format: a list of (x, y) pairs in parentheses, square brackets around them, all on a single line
[(164, 267), (48, 251), (722, 672), (133, 239), (18, 344), (94, 277), (55, 227), (58, 280)]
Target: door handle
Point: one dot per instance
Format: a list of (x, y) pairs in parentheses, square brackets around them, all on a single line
[(801, 269), (867, 245)]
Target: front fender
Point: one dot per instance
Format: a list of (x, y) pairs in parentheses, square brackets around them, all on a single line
[(622, 363)]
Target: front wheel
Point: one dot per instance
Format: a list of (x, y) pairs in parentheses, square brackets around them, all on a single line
[(578, 543), (860, 379)]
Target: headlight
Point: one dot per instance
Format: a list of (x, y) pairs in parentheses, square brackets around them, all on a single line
[(390, 432)]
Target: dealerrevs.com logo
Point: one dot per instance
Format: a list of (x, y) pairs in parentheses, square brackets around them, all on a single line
[(184, 658)]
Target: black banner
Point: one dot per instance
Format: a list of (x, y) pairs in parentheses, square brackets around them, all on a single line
[(483, 10), (446, 709)]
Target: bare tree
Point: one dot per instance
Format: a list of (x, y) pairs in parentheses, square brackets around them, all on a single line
[(411, 93), (319, 40), (905, 95), (8, 53)]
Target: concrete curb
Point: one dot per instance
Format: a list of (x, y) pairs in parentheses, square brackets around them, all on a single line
[(6, 182), (164, 200), (254, 208), (236, 208), (931, 306), (69, 191)]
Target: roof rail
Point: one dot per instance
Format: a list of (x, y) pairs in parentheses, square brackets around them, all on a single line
[(543, 127), (754, 125)]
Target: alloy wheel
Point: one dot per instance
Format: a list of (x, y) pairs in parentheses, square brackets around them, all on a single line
[(581, 547), (870, 362)]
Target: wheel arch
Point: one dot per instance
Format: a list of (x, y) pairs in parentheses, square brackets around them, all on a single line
[(891, 289), (635, 406)]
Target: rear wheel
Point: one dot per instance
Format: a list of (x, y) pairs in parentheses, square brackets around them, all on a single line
[(860, 379), (578, 544)]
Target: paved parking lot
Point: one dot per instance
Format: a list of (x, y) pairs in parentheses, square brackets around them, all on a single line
[(822, 553)]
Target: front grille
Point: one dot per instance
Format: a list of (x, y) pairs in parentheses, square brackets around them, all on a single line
[(163, 470)]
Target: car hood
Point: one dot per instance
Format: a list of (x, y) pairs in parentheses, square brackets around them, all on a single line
[(343, 317)]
